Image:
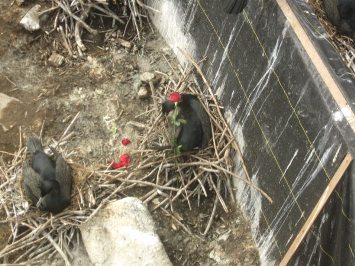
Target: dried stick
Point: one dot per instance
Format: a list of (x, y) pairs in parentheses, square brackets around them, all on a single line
[(67, 10)]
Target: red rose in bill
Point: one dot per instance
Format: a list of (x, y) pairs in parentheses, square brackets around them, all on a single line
[(125, 141), (123, 162), (174, 97)]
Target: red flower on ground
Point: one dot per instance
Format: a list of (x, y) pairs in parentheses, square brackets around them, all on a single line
[(125, 141), (174, 97), (123, 162)]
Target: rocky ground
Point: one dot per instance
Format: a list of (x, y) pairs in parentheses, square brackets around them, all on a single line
[(37, 95)]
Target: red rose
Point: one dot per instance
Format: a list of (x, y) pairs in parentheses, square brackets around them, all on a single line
[(125, 141), (123, 162), (174, 97), (124, 158), (116, 165)]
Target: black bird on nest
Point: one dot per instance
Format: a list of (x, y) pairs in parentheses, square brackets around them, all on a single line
[(342, 14), (193, 129), (46, 182)]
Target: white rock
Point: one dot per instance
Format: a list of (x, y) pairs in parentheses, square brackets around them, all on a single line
[(5, 100), (31, 20), (123, 233), (124, 43), (147, 76), (143, 93)]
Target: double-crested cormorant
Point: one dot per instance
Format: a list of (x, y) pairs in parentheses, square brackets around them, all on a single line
[(195, 129), (47, 183)]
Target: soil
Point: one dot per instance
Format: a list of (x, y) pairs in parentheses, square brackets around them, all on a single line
[(103, 87)]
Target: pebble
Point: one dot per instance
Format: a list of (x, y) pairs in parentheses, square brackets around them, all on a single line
[(146, 77), (56, 60), (124, 43), (143, 93)]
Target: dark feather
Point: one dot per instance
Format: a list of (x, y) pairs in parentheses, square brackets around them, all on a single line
[(46, 182), (195, 131), (342, 15)]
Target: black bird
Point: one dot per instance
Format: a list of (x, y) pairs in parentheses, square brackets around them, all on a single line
[(47, 183), (195, 131), (342, 14)]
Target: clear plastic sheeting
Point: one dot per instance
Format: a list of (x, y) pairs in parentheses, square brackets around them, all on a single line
[(334, 230)]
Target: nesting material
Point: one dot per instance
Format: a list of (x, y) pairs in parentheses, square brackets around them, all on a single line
[(71, 17), (344, 44)]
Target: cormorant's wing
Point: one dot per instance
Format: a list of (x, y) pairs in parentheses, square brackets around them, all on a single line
[(64, 177), (31, 183), (205, 121)]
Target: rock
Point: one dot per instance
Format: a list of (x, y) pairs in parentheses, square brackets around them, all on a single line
[(143, 93), (9, 116), (20, 2), (56, 60), (31, 20), (96, 69), (124, 43), (123, 233), (147, 77), (80, 256)]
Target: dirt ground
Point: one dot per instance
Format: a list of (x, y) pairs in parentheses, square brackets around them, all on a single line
[(103, 87)]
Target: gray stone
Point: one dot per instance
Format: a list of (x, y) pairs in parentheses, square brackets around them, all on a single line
[(123, 233), (148, 77)]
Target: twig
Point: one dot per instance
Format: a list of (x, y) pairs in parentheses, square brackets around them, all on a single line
[(59, 250), (67, 10), (67, 129)]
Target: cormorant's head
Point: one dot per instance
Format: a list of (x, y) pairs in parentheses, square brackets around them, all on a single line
[(167, 106), (185, 99)]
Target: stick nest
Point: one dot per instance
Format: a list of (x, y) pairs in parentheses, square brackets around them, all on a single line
[(71, 17)]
